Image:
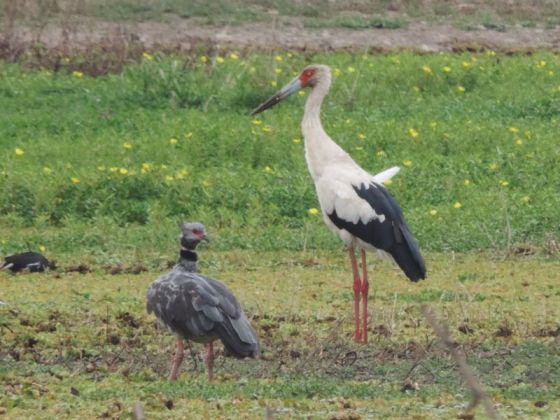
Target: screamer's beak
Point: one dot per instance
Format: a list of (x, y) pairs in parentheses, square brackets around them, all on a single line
[(283, 93)]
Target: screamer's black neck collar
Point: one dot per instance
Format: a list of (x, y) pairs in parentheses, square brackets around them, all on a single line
[(188, 255)]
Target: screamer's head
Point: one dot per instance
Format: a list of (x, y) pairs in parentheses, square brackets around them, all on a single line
[(310, 76), (191, 234)]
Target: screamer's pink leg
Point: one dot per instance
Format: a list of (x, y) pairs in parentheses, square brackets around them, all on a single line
[(364, 290), (210, 360), (179, 353), (357, 289)]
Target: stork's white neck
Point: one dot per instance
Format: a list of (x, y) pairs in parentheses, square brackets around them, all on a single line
[(320, 150)]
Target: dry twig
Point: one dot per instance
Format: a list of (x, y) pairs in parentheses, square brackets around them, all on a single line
[(137, 411), (479, 396)]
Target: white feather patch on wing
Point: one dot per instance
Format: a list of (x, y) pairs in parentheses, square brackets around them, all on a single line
[(343, 198), (386, 174)]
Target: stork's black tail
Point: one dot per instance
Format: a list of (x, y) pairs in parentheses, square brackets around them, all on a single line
[(239, 337), (407, 255)]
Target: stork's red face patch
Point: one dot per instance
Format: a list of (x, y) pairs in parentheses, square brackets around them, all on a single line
[(305, 76)]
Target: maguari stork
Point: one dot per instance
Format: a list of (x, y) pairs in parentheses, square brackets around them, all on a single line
[(355, 204), (199, 308)]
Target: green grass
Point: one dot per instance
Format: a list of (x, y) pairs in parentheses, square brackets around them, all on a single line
[(498, 14), (100, 183), (90, 334), (99, 175)]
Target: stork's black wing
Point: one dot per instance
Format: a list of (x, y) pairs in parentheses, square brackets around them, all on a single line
[(202, 309), (389, 233)]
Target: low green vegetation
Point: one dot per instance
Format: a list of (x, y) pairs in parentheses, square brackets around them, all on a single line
[(82, 344), (498, 15), (94, 167), (97, 167)]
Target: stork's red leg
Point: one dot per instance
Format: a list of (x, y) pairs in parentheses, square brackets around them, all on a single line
[(179, 353), (357, 289), (364, 290), (210, 360)]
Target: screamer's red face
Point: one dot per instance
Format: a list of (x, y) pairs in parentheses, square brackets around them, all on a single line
[(305, 76)]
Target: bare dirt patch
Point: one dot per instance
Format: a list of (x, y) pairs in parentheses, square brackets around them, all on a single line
[(186, 34)]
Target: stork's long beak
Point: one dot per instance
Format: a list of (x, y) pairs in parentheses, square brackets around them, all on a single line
[(283, 93)]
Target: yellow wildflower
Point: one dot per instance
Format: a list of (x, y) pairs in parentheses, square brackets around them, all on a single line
[(461, 89), (267, 129), (337, 72), (361, 136), (277, 71), (313, 211), (387, 182), (268, 169), (148, 56), (42, 248), (75, 180), (173, 141), (123, 171), (359, 148), (278, 58), (273, 83), (101, 168), (113, 169), (433, 212), (380, 154), (467, 182), (256, 121), (234, 56), (466, 64), (412, 133), (426, 69), (301, 93), (219, 60), (350, 69), (457, 205), (519, 142), (503, 183), (296, 140), (169, 178), (47, 170), (77, 74), (514, 130), (407, 162), (493, 167), (433, 125), (525, 199), (127, 145), (446, 69), (203, 59), (19, 152)]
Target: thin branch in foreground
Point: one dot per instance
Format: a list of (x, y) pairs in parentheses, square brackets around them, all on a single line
[(137, 412), (479, 396)]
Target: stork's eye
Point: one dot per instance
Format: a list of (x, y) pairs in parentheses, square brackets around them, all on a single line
[(308, 73), (197, 232)]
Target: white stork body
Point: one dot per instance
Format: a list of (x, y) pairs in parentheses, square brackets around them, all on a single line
[(355, 204)]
